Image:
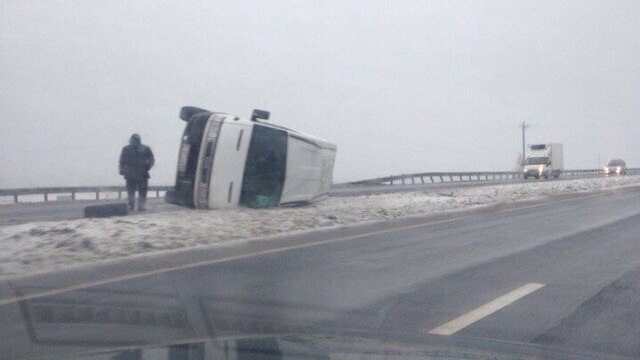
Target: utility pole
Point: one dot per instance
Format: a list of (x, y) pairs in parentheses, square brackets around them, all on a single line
[(524, 127)]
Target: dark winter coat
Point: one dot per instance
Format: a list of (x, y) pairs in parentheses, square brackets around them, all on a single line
[(136, 161)]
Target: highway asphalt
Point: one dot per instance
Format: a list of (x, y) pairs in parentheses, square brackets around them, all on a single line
[(562, 274)]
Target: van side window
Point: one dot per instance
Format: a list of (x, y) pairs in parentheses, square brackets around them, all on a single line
[(265, 168)]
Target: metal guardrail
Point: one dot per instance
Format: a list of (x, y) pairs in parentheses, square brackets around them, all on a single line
[(46, 191), (405, 179), (439, 177)]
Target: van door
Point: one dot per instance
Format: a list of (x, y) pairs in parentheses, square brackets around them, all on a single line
[(265, 168)]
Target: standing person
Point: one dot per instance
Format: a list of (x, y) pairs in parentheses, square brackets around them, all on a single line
[(135, 162)]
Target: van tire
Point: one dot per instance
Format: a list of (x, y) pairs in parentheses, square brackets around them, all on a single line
[(107, 210)]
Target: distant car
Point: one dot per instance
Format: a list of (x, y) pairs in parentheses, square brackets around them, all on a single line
[(616, 167)]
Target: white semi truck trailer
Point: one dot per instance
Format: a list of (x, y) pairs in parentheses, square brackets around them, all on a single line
[(544, 160), (226, 161)]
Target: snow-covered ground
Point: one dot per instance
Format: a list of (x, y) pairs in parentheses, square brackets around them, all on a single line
[(46, 246)]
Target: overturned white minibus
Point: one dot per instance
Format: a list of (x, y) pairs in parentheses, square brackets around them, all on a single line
[(227, 161)]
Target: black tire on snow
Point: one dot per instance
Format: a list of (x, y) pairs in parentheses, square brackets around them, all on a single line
[(107, 210)]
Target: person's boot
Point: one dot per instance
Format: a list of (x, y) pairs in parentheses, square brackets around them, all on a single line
[(142, 204)]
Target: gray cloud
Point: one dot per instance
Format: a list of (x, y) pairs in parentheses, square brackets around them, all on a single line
[(399, 86)]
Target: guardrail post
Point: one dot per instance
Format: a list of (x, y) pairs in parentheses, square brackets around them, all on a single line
[(157, 193), (73, 196), (413, 180), (422, 179), (97, 195), (15, 198), (451, 178), (431, 178), (46, 196), (119, 194), (403, 180)]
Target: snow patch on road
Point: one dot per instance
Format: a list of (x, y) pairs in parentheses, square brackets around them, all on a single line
[(47, 246)]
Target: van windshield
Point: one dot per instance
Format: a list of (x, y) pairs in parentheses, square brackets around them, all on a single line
[(264, 171), (537, 160)]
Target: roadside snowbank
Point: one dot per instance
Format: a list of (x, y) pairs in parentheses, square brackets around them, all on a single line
[(46, 246)]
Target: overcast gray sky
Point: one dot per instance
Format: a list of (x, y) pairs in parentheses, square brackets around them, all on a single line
[(399, 86)]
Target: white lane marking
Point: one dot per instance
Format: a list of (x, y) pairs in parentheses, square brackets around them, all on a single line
[(485, 310)]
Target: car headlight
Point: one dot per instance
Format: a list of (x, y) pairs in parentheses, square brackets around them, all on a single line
[(618, 170), (540, 168)]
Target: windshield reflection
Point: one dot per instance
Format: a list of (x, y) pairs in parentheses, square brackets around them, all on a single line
[(167, 311)]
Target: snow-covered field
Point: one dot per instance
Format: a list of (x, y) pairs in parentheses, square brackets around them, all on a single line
[(47, 246)]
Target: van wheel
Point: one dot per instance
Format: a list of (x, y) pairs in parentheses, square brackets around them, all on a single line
[(106, 210)]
